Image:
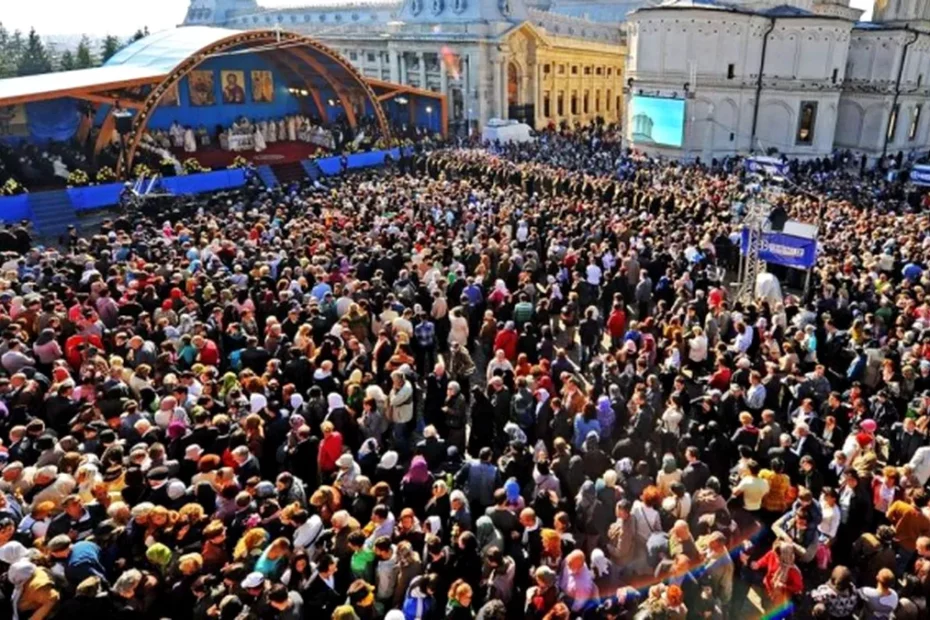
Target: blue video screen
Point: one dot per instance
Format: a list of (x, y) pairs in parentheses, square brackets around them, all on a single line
[(658, 121)]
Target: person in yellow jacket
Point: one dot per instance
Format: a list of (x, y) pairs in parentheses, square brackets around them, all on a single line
[(34, 593)]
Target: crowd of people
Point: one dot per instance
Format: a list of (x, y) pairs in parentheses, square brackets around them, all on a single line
[(506, 382)]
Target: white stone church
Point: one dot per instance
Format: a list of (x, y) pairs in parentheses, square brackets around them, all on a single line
[(802, 78)]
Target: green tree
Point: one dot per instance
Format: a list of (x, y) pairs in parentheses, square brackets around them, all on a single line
[(66, 62), (111, 45), (139, 34), (83, 59), (10, 51), (35, 58)]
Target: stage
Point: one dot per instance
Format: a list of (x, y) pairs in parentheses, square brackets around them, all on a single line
[(276, 153)]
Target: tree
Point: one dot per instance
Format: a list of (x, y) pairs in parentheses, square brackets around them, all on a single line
[(141, 33), (10, 52), (111, 45), (66, 62), (35, 58), (83, 59)]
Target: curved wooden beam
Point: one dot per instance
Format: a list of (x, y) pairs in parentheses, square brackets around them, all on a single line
[(248, 39), (313, 90), (106, 130), (333, 83)]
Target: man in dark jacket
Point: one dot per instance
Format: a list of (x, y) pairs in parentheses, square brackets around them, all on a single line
[(696, 473)]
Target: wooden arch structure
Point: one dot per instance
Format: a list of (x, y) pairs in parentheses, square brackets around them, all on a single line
[(302, 56)]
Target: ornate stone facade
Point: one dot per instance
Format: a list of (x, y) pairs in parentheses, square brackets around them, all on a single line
[(492, 58)]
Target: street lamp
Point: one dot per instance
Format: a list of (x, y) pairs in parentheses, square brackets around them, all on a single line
[(429, 112)]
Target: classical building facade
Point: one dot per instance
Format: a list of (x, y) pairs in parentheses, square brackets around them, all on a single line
[(492, 58), (802, 78)]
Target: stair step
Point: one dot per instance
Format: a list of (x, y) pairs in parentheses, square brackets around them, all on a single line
[(52, 212), (267, 176), (291, 172)]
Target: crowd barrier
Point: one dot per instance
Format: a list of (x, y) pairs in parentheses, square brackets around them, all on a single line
[(16, 208)]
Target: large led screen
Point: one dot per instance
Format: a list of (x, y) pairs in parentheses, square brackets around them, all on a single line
[(658, 120)]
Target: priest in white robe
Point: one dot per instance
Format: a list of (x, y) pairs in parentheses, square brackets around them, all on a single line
[(282, 131), (291, 129), (271, 135), (260, 144), (190, 141), (177, 134)]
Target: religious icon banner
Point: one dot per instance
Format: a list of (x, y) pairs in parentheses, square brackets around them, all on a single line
[(202, 91)]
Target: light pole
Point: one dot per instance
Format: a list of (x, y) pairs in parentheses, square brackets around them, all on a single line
[(429, 112)]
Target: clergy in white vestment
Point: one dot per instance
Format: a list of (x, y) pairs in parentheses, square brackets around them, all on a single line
[(291, 129), (270, 131), (190, 142), (177, 135), (282, 131), (259, 140)]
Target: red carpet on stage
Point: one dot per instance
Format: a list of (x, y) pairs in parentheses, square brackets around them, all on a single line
[(276, 153)]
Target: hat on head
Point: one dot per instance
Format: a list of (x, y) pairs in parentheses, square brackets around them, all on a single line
[(253, 580), (58, 543), (157, 473)]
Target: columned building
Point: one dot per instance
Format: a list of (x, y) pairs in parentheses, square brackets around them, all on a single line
[(492, 58)]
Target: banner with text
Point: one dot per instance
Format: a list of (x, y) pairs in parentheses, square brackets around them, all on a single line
[(782, 249)]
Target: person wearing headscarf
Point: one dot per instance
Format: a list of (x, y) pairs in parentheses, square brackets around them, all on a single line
[(542, 596), (416, 485), (585, 506), (783, 579), (487, 535), (606, 416), (668, 475), (347, 475), (160, 557), (34, 593), (602, 571), (409, 567)]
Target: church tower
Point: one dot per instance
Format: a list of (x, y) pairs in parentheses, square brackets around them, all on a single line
[(217, 12)]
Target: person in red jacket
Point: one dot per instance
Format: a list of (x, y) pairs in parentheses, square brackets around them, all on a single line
[(330, 451), (783, 578), (507, 340), (207, 351), (616, 325)]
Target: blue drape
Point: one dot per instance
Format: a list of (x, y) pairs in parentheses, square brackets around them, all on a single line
[(56, 119)]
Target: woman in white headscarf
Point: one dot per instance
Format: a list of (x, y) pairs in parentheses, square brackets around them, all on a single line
[(347, 476), (338, 414), (34, 592), (87, 477)]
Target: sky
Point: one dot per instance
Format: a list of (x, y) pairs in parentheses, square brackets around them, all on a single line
[(123, 17)]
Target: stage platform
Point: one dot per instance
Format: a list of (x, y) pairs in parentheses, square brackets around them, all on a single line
[(276, 153)]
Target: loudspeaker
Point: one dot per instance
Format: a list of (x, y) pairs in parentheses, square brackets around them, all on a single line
[(123, 122)]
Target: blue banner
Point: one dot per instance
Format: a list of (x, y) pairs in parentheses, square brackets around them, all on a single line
[(920, 175), (768, 165), (782, 249)]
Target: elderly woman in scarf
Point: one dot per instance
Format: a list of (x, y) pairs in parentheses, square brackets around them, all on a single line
[(577, 584), (606, 416), (585, 517), (416, 485), (34, 593), (783, 578), (347, 475), (488, 536)]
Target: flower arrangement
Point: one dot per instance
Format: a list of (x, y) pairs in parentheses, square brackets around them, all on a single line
[(141, 171), (239, 162), (106, 175), (192, 166), (78, 178), (12, 187)]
